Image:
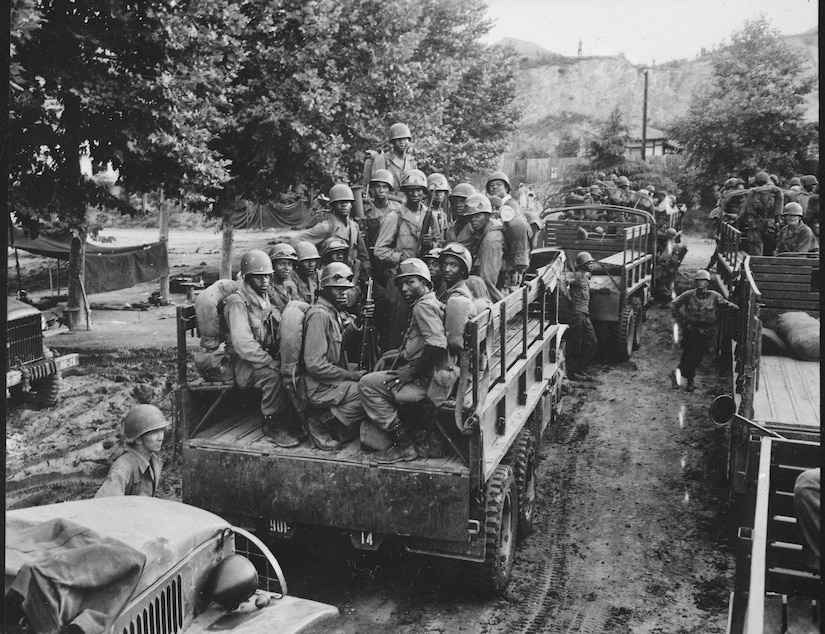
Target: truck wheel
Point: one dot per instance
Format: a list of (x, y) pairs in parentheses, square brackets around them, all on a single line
[(500, 526), (626, 334), (523, 461), (46, 390), (640, 319)]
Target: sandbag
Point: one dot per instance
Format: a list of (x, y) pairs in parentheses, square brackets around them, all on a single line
[(292, 336), (209, 312), (800, 332), (772, 344)]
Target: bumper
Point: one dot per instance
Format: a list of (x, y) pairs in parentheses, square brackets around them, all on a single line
[(42, 369)]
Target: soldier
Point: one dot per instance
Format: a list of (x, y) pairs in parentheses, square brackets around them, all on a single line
[(439, 188), (282, 287), (137, 470), (810, 187), (622, 195), (695, 311), (424, 347), (581, 339), (499, 185), (378, 205), (331, 382), (576, 197), (306, 271), (334, 250), (251, 342), (340, 225), (455, 217), (431, 258), (398, 159), (485, 240), (759, 213), (517, 235), (794, 236), (456, 264)]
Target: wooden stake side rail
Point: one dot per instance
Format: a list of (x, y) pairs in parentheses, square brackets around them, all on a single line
[(729, 256)]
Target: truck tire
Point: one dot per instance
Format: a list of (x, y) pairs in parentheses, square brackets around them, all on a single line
[(500, 527), (523, 460), (45, 391), (626, 334), (636, 303)]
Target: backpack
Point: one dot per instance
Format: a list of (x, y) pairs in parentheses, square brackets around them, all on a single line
[(292, 349), (762, 201), (212, 363)]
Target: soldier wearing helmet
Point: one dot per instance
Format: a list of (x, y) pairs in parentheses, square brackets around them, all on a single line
[(759, 214), (484, 238), (137, 470), (696, 312), (431, 257), (340, 225), (456, 264), (499, 185), (252, 345), (517, 234), (581, 338), (439, 188), (455, 216), (378, 206), (795, 236), (423, 350), (331, 381), (282, 288), (398, 159), (305, 275)]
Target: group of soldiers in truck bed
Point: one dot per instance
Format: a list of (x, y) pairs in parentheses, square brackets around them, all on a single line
[(774, 219), (420, 243)]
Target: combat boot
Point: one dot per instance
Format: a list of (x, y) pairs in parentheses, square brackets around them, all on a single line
[(318, 428), (275, 427), (690, 386), (402, 448)]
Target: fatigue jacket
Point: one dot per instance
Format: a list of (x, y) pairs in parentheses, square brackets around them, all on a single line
[(488, 252), (336, 227), (579, 292), (426, 327), (374, 216), (325, 359), (760, 193), (281, 295), (516, 242), (691, 310), (132, 474), (398, 238), (252, 327), (306, 288), (459, 288), (397, 167), (798, 239)]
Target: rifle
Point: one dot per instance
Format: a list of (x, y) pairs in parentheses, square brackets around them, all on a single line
[(368, 356), (425, 227)]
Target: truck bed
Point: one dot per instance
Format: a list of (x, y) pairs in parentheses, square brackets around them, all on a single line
[(788, 390)]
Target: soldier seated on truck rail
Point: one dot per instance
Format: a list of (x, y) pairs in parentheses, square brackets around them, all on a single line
[(794, 236), (408, 379), (137, 471)]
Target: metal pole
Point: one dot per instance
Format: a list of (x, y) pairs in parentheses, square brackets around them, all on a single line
[(164, 237), (644, 122)]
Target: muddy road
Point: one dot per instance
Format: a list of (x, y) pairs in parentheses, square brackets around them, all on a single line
[(630, 528)]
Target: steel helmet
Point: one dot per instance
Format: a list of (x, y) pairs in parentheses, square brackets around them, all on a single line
[(671, 232), (583, 258), (432, 254), (141, 420), (437, 182), (731, 182), (383, 176), (498, 176), (306, 251), (477, 204), (232, 581), (775, 179), (339, 192), (794, 181), (651, 189), (761, 178), (792, 209), (459, 251), (282, 251), (411, 267), (399, 131), (256, 262), (623, 180), (463, 190), (333, 244), (414, 178), (809, 179), (336, 274), (702, 274)]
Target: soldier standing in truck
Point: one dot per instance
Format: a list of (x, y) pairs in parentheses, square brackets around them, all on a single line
[(760, 213), (398, 159), (485, 239)]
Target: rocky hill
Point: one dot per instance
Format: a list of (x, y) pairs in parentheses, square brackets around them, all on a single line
[(576, 94)]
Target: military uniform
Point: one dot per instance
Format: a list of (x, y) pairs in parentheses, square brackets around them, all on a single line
[(325, 363), (487, 250), (345, 229), (397, 166), (305, 288), (426, 328), (132, 474), (581, 338), (251, 342), (281, 294), (797, 239), (516, 247), (760, 211)]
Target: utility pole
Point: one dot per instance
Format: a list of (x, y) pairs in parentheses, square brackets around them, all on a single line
[(644, 121)]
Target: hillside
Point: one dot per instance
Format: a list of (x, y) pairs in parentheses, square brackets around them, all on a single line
[(576, 94)]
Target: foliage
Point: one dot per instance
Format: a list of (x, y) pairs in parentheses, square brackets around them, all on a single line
[(568, 145), (751, 115), (608, 149)]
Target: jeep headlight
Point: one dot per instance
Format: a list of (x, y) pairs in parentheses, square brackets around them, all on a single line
[(231, 582), (43, 323)]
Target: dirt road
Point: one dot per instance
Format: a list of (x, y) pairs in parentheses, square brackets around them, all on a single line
[(630, 526)]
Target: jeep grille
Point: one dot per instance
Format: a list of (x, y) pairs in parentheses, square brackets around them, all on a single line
[(162, 615), (25, 340)]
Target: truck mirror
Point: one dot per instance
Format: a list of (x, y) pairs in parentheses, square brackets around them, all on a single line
[(722, 409)]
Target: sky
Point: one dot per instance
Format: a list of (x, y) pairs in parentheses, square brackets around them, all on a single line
[(644, 30)]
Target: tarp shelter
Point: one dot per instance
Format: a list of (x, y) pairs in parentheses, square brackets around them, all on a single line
[(254, 215), (107, 268)]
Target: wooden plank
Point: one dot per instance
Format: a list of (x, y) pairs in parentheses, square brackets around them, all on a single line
[(794, 285), (617, 259), (793, 582), (811, 306), (788, 391), (782, 528)]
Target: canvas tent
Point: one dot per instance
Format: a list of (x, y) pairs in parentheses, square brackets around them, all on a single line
[(254, 215), (107, 268)]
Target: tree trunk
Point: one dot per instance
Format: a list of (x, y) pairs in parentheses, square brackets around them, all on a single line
[(78, 304), (228, 239)]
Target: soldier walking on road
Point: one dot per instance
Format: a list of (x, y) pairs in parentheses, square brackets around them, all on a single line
[(581, 339), (696, 312)]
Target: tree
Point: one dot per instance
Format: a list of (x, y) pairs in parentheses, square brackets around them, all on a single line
[(751, 115), (608, 149), (568, 145)]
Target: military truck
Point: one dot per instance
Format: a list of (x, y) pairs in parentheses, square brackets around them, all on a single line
[(468, 505), (774, 417), (140, 565), (30, 365), (623, 243)]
